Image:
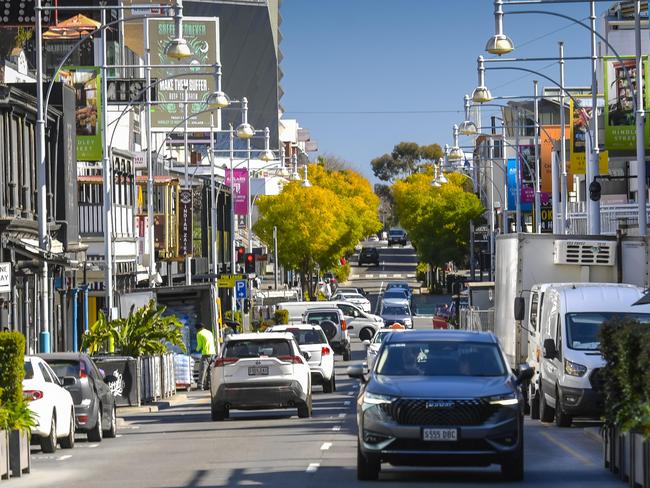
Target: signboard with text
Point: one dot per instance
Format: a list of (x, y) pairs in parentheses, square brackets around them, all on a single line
[(238, 182), (127, 90), (5, 277), (185, 222), (580, 116)]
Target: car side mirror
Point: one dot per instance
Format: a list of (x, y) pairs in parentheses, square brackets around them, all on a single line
[(306, 355), (356, 372), (520, 308), (366, 343), (68, 381), (524, 373), (350, 327), (550, 350)]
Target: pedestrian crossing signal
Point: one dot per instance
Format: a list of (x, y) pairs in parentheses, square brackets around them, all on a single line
[(241, 250), (249, 263)]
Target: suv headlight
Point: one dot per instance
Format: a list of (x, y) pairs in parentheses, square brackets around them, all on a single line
[(574, 369), (504, 400), (370, 399)]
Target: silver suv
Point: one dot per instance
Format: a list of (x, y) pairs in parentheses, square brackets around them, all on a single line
[(333, 323), (440, 398)]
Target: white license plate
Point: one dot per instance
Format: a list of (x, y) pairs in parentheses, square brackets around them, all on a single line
[(258, 370), (440, 435)]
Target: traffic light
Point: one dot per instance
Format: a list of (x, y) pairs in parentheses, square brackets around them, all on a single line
[(594, 191), (249, 263), (247, 305), (241, 250)]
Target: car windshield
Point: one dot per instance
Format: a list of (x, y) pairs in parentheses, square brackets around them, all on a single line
[(29, 371), (395, 310), (65, 368), (257, 348), (380, 336), (583, 329), (441, 358), (308, 336)]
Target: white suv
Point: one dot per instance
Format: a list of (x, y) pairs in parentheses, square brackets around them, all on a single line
[(333, 323), (311, 339), (260, 371)]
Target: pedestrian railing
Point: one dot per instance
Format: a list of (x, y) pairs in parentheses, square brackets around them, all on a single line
[(612, 218), (472, 318)]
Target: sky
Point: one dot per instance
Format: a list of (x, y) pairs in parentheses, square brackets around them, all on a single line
[(364, 75)]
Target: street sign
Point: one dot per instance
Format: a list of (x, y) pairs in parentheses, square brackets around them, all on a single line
[(240, 289), (228, 280), (5, 277), (125, 90)]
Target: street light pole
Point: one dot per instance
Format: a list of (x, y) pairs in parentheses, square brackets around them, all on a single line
[(188, 257), (275, 256), (640, 126), (150, 229), (213, 204), (538, 193), (564, 194), (517, 175), (593, 208)]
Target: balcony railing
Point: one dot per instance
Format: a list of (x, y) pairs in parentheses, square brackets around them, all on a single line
[(612, 218), (91, 220)]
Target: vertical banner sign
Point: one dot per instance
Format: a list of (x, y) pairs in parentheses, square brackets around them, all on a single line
[(620, 128), (526, 206), (86, 81), (550, 136), (239, 185), (202, 35), (185, 223), (580, 115), (527, 173)]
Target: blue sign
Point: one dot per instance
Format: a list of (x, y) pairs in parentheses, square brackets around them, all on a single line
[(512, 189), (240, 289)]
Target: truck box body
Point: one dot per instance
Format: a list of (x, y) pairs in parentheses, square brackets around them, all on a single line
[(523, 260)]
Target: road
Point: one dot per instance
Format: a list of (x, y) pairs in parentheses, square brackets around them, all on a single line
[(181, 447)]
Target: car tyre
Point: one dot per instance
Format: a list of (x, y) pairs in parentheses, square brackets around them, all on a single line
[(68, 441), (347, 354), (305, 409), (218, 413), (562, 419), (96, 434), (48, 443), (328, 385), (534, 405), (366, 334), (367, 469), (546, 412), (112, 430)]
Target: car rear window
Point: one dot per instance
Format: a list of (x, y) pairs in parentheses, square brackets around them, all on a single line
[(318, 317), (29, 371), (306, 337), (395, 293), (258, 348), (396, 233), (65, 367), (395, 311), (441, 358)]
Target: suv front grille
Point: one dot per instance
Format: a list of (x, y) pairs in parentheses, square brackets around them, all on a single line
[(461, 412)]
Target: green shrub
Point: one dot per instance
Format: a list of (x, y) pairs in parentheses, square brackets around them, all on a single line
[(342, 273), (12, 372), (281, 316)]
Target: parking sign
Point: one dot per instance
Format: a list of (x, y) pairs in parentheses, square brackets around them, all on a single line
[(240, 288)]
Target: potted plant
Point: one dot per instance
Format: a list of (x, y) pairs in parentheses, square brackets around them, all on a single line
[(4, 442)]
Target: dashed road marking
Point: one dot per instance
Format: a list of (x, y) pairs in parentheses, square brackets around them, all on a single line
[(312, 468), (325, 446), (64, 457), (336, 428), (93, 445)]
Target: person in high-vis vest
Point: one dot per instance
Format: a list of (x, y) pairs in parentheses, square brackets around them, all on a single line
[(205, 347)]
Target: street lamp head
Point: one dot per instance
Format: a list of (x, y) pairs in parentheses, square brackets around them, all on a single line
[(456, 154), (305, 182), (481, 94), (467, 128), (245, 131), (267, 155), (499, 44), (178, 49), (442, 179)]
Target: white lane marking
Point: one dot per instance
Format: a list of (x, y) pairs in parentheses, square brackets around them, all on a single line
[(93, 445), (312, 468), (370, 276), (118, 436), (346, 403), (325, 446), (336, 428), (63, 458), (397, 276), (342, 415), (383, 276)]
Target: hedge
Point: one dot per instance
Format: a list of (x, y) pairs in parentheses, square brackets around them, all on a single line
[(281, 316), (625, 345), (12, 372)]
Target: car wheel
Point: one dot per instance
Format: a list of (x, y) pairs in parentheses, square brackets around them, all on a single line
[(534, 405), (347, 354), (304, 410), (68, 441), (328, 386), (561, 417), (546, 413), (218, 413), (48, 443), (112, 430), (367, 469), (366, 334), (95, 434)]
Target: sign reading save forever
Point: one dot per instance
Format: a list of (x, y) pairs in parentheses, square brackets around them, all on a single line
[(5, 277)]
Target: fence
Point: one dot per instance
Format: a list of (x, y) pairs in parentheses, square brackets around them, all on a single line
[(612, 218), (479, 320)]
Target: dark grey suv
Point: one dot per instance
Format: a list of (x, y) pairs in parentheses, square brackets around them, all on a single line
[(440, 398)]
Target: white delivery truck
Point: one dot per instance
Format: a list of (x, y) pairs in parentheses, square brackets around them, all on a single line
[(568, 383)]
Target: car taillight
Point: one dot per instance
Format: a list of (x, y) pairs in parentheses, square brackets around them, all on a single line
[(31, 395), (325, 351), (344, 325), (291, 359), (82, 371), (224, 361)]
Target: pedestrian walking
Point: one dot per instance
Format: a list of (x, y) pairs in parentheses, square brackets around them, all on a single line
[(204, 346)]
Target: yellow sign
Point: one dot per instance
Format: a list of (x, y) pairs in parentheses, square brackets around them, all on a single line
[(228, 281)]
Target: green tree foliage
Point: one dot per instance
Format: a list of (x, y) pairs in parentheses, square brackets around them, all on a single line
[(436, 218), (405, 159), (146, 331), (14, 411)]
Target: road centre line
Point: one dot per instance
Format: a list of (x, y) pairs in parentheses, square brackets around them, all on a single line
[(312, 468), (325, 446), (570, 450)]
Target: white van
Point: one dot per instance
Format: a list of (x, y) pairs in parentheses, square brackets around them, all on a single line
[(360, 323), (571, 317)]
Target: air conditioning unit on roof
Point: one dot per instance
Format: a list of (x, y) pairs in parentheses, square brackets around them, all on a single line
[(584, 253)]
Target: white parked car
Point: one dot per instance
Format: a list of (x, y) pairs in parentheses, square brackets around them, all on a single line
[(373, 345), (260, 371), (356, 298), (311, 339), (51, 405)]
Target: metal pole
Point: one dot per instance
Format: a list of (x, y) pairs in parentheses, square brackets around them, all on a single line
[(275, 256), (491, 156), (213, 203), (151, 250), (188, 257), (41, 182), (564, 191), (108, 182), (518, 175), (504, 162), (640, 126), (249, 206), (593, 208), (555, 191), (538, 191), (233, 233)]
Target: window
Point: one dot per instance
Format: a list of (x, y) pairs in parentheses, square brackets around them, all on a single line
[(558, 337), (65, 368), (318, 317), (533, 311), (257, 348), (306, 337), (29, 371), (45, 373), (583, 329)]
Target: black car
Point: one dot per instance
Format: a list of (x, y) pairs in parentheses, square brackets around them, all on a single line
[(94, 403), (396, 236), (440, 398), (369, 255)]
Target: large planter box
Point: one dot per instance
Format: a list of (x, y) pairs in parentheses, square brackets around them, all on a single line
[(4, 454), (19, 455), (628, 455)]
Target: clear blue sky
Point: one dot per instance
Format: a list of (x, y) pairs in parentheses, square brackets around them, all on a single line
[(352, 57)]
